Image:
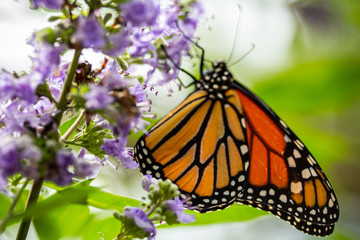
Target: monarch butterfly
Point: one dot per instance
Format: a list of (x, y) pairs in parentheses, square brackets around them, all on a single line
[(223, 145)]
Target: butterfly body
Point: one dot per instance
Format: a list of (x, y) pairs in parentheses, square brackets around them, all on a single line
[(223, 144)]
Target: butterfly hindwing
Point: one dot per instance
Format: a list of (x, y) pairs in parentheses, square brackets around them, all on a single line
[(290, 184)]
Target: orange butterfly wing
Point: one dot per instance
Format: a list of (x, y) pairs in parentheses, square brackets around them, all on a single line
[(283, 176), (196, 146)]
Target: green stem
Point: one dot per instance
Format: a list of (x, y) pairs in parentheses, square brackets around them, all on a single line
[(67, 85), (73, 126), (12, 206), (153, 208), (32, 200)]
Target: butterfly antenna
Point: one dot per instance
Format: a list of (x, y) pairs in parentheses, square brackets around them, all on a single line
[(177, 65), (244, 56), (237, 34), (197, 45)]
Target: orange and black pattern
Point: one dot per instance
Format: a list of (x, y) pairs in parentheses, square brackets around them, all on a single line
[(223, 144)]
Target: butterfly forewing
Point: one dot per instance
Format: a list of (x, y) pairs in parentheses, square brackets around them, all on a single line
[(198, 149), (223, 144)]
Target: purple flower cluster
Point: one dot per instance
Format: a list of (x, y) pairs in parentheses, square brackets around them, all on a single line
[(147, 24), (164, 205), (17, 155), (90, 33), (26, 118), (147, 181), (140, 13), (67, 167), (141, 220), (114, 96), (177, 207), (167, 29)]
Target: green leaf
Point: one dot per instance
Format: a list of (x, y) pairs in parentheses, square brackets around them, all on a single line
[(55, 18), (66, 220), (108, 228), (93, 138), (66, 125), (100, 199), (105, 200), (43, 90), (235, 213), (5, 202), (61, 198)]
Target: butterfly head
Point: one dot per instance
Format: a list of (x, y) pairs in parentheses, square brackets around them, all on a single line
[(216, 81)]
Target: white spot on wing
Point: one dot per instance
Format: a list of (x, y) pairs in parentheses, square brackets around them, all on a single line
[(262, 193), (296, 187), (246, 166), (299, 144), (243, 149), (282, 123), (243, 123), (313, 173), (291, 162), (241, 178), (311, 160), (305, 173), (283, 198), (325, 211), (296, 153)]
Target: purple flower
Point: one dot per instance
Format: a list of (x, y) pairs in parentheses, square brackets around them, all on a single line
[(90, 33), (46, 60), (148, 180), (177, 207), (25, 92), (49, 4), (143, 43), (140, 12), (59, 172), (112, 78), (86, 165), (98, 98), (8, 86), (118, 43), (189, 24), (141, 220), (116, 148), (56, 80), (67, 166), (18, 155), (9, 158), (17, 119), (43, 105), (16, 88)]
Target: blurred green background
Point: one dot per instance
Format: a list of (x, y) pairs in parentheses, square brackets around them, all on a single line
[(305, 65)]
